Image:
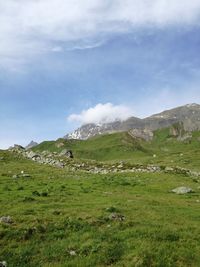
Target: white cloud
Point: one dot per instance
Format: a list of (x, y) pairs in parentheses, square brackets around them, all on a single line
[(102, 113), (29, 28)]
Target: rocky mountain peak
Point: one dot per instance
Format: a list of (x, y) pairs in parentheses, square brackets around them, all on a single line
[(188, 115)]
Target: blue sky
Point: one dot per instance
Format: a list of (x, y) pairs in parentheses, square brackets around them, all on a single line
[(62, 62)]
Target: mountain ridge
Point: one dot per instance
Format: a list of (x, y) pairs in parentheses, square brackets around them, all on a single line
[(188, 114)]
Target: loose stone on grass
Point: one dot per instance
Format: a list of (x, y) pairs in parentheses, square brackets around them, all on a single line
[(6, 219), (15, 176), (116, 217), (182, 190), (72, 253), (3, 264)]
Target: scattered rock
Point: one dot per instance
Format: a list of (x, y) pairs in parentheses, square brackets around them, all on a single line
[(182, 190), (15, 176), (3, 264), (6, 219), (59, 164), (57, 160), (120, 166), (67, 153), (116, 217), (72, 253), (32, 155), (169, 169)]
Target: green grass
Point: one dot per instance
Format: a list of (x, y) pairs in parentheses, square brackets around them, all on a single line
[(121, 146), (106, 147), (57, 211)]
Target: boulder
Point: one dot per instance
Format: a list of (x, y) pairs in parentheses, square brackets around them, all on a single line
[(144, 134), (67, 153), (3, 264), (32, 155), (182, 190)]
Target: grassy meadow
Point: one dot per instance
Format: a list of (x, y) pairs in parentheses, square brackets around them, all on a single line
[(63, 218)]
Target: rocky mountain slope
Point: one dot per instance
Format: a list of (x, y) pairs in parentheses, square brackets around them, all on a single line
[(189, 115), (31, 144)]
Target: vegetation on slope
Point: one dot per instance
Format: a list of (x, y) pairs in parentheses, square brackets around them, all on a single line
[(164, 149), (65, 219), (104, 147)]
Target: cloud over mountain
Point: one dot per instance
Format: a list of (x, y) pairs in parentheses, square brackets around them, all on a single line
[(102, 113)]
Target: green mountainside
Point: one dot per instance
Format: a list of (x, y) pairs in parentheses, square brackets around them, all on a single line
[(169, 146)]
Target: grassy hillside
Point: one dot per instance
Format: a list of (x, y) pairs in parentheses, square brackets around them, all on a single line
[(65, 218), (170, 150), (105, 147), (164, 149)]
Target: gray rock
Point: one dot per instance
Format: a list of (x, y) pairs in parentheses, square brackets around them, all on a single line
[(32, 155), (15, 176), (59, 164), (144, 134), (182, 190), (116, 217), (18, 147), (3, 264), (120, 166), (31, 145), (169, 169), (67, 153), (6, 219), (72, 253)]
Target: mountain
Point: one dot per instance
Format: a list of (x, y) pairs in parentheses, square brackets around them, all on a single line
[(90, 130), (31, 145), (188, 114)]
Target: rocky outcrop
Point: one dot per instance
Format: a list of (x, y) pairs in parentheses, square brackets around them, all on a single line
[(31, 145), (144, 134)]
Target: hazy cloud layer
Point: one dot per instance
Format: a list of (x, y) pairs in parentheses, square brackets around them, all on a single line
[(40, 26), (102, 113)]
